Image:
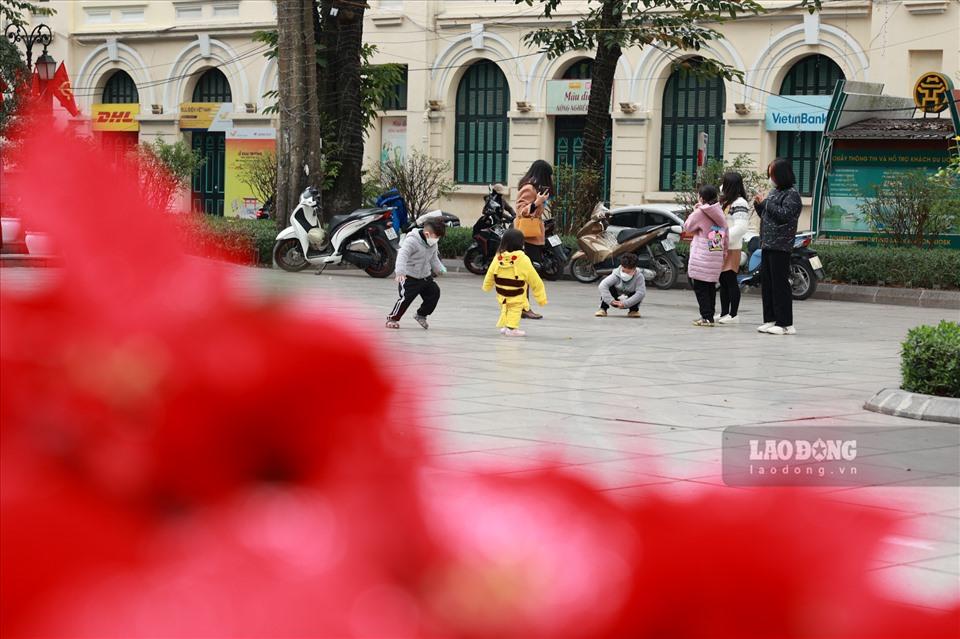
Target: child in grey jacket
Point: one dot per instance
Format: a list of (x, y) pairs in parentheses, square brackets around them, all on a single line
[(418, 262), (624, 288)]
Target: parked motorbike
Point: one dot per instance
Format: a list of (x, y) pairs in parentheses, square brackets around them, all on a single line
[(601, 246), (449, 220), (365, 238), (555, 256), (494, 221), (805, 266)]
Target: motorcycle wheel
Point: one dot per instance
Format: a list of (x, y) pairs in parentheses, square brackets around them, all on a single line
[(803, 281), (666, 273), (384, 266), (474, 261), (582, 270), (551, 267), (288, 255)]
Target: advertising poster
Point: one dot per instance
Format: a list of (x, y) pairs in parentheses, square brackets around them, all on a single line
[(855, 174), (242, 147), (393, 138), (212, 116), (568, 97)]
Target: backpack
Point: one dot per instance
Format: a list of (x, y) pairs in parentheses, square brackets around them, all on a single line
[(392, 199)]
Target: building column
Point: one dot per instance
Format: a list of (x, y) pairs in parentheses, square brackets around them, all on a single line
[(629, 158)]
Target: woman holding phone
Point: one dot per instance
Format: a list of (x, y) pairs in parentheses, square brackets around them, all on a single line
[(535, 190)]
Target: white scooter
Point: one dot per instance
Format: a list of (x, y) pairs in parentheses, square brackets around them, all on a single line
[(365, 238)]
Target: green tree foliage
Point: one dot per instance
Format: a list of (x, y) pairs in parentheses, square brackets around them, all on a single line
[(165, 169), (913, 207), (12, 68), (12, 71), (688, 184), (13, 11)]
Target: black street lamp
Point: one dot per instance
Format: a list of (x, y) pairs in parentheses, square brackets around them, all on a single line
[(41, 34)]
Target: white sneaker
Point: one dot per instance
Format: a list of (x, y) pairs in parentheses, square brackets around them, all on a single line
[(790, 330), (765, 327), (729, 319), (503, 331), (514, 332)]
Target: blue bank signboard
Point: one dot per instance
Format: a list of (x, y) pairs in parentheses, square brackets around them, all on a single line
[(797, 112)]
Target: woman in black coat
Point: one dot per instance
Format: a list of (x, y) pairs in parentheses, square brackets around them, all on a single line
[(779, 212)]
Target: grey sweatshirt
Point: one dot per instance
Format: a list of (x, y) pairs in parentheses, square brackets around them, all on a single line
[(416, 258), (635, 287)]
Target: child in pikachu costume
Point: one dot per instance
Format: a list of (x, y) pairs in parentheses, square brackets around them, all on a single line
[(512, 272)]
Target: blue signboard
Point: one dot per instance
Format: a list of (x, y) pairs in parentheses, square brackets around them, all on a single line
[(797, 112)]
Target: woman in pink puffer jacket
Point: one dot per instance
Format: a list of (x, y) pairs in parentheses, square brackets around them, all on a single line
[(708, 225)]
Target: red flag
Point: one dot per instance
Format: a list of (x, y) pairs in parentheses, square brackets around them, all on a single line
[(60, 86)]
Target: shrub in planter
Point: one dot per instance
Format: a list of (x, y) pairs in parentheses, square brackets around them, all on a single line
[(456, 241), (891, 265), (930, 360)]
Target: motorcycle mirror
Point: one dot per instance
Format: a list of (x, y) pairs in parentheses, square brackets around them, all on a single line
[(676, 228)]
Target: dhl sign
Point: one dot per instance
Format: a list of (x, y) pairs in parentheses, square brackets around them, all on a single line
[(115, 117)]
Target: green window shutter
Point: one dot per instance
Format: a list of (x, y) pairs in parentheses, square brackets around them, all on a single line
[(120, 89), (813, 75), (212, 87), (482, 128), (396, 98), (691, 105)]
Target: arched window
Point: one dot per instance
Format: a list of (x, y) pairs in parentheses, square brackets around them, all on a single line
[(568, 131), (813, 75), (482, 127), (579, 70), (212, 87), (120, 89), (691, 105)]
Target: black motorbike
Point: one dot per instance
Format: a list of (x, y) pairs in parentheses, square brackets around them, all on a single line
[(555, 255), (494, 220)]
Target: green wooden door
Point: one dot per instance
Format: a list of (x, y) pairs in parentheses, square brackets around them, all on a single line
[(691, 105), (568, 132), (568, 145), (208, 182)]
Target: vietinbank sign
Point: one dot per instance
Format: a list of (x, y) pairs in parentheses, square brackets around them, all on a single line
[(797, 112)]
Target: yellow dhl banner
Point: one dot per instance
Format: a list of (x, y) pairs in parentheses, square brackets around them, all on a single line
[(198, 115), (115, 117)]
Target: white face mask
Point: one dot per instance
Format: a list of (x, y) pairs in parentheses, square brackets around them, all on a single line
[(432, 241), (626, 277)]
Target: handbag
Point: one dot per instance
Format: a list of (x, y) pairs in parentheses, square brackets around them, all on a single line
[(531, 227)]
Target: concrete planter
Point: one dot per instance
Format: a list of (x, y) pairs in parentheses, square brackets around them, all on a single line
[(894, 401), (12, 228), (39, 243)]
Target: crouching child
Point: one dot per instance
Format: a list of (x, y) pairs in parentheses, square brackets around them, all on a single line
[(624, 288)]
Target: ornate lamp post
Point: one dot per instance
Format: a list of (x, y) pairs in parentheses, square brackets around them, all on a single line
[(41, 34)]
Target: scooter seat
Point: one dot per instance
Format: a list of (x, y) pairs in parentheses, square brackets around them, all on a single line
[(626, 235), (337, 220)]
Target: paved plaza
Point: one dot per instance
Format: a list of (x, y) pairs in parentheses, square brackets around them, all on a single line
[(639, 405)]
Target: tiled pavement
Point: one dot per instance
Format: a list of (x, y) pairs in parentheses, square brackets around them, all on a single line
[(639, 405)]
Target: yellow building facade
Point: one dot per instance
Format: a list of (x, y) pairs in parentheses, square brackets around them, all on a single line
[(477, 97)]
